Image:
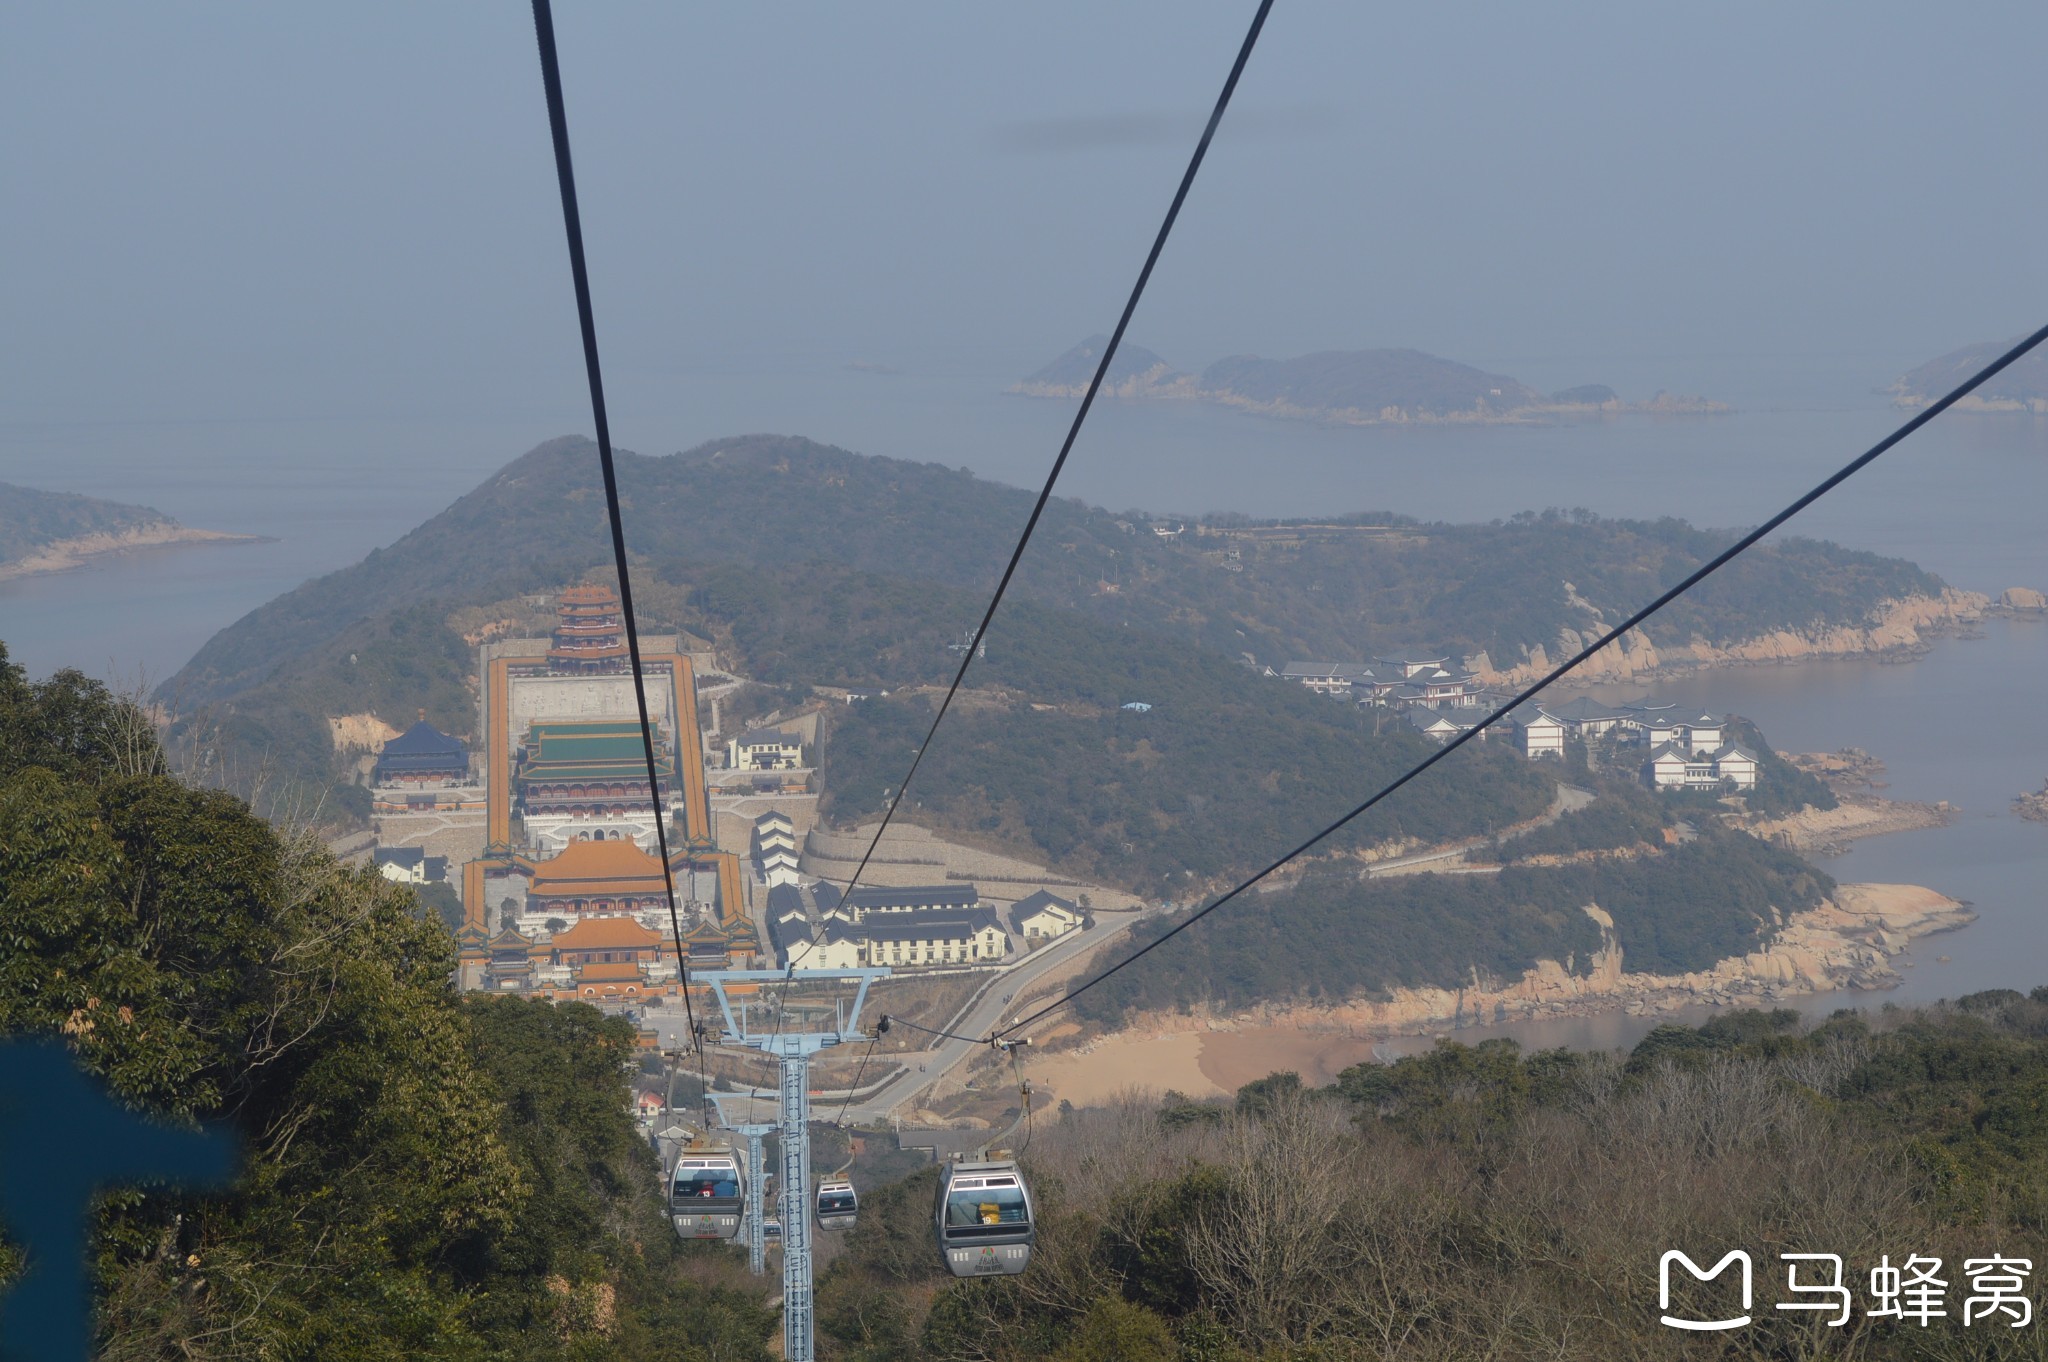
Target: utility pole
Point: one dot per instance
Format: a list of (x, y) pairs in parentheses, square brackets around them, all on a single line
[(792, 1050)]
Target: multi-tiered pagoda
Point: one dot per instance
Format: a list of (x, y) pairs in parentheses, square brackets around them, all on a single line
[(590, 635)]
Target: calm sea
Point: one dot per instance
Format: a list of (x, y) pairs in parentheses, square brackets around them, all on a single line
[(1964, 498)]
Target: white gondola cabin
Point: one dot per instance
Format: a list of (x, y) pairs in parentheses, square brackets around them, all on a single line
[(707, 1192), (984, 1219), (837, 1204)]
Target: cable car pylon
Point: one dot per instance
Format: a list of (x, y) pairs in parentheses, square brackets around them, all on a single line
[(757, 1166), (792, 1050)]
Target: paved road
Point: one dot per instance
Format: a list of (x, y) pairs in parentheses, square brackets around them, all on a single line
[(925, 1067), (977, 1019), (1569, 797)]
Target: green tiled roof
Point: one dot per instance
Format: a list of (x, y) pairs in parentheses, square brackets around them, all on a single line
[(618, 770), (571, 728)]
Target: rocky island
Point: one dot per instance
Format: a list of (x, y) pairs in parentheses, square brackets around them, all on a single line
[(52, 531), (1343, 387), (2021, 387)]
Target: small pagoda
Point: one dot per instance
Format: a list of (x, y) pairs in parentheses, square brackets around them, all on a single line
[(590, 632)]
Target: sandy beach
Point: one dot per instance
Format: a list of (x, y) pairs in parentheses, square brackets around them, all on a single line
[(62, 555), (1843, 943)]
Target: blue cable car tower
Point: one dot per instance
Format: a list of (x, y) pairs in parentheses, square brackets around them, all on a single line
[(757, 1171), (792, 1049)]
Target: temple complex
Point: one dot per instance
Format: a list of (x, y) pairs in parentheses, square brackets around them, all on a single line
[(571, 855)]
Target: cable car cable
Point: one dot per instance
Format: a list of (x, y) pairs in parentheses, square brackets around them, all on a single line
[(572, 226), (843, 1106), (980, 635), (1116, 337), (1720, 560), (949, 1035)]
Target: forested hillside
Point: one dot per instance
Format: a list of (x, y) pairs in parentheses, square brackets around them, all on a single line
[(1480, 1202), (422, 1176), (1224, 770), (767, 501), (783, 547), (1334, 936)]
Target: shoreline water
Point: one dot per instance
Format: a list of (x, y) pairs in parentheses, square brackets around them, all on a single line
[(87, 550), (1947, 819), (1844, 946)]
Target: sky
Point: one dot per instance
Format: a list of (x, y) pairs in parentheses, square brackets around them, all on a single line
[(297, 213)]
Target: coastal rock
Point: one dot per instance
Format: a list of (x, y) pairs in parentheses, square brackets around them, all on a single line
[(61, 555), (1853, 817), (1845, 942), (2022, 598), (1896, 626)]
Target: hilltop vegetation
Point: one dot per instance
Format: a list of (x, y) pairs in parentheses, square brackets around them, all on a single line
[(764, 501), (423, 1176), (1365, 382), (1350, 387), (31, 519), (1134, 372), (1225, 769), (2022, 386), (780, 547), (1334, 936), (1483, 1202)]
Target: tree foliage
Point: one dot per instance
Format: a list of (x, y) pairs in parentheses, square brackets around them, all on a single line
[(423, 1177), (1485, 1201)]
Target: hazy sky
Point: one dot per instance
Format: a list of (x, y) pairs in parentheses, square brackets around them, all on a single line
[(305, 212)]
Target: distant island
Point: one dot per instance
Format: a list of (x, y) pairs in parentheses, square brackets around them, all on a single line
[(2022, 387), (52, 531), (1344, 387)]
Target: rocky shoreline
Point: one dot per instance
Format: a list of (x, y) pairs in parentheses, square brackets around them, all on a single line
[(2033, 807), (1901, 628), (1854, 777), (1847, 942), (62, 555)]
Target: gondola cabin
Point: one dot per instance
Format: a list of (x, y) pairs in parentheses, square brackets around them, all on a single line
[(984, 1219), (837, 1204), (706, 1193)]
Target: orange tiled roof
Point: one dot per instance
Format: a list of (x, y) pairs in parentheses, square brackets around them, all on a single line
[(589, 595), (606, 934), (614, 867), (622, 971)]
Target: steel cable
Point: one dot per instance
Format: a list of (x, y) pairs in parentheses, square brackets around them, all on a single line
[(572, 225), (980, 635)]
